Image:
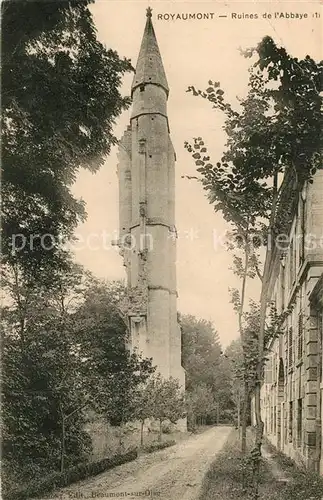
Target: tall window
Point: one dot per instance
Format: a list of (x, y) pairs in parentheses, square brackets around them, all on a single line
[(275, 420), (300, 336), (299, 421), (290, 264), (290, 423), (292, 261), (268, 371), (285, 423), (302, 231), (274, 374), (290, 346)]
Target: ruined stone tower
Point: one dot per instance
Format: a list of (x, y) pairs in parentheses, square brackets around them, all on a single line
[(146, 173)]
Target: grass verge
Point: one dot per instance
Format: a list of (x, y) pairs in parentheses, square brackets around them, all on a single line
[(230, 476)]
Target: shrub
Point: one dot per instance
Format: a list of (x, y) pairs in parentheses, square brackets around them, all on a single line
[(72, 475), (167, 427), (159, 446)]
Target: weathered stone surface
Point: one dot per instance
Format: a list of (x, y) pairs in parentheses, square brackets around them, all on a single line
[(147, 194), (135, 303)]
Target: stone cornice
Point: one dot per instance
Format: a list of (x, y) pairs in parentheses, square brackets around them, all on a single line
[(316, 296), (158, 287), (310, 261), (153, 221), (134, 117)]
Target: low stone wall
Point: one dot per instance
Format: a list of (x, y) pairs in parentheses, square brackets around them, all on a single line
[(108, 440)]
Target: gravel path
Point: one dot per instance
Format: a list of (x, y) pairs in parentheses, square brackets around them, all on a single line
[(175, 473)]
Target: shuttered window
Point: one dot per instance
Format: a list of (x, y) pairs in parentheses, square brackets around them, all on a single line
[(300, 336), (299, 421), (290, 423), (302, 231), (290, 347)]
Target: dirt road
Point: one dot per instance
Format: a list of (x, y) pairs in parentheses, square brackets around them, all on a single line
[(175, 473)]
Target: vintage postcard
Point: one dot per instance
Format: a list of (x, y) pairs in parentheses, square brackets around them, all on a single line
[(162, 249)]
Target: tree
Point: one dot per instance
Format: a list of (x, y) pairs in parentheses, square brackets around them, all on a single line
[(245, 267), (246, 210), (276, 134), (65, 354), (200, 402), (103, 337), (60, 99), (201, 350), (167, 400), (144, 404), (42, 383), (235, 358), (204, 364)]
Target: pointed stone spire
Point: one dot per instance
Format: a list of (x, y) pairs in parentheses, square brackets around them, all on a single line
[(150, 67)]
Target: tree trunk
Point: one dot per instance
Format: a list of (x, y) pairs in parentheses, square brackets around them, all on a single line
[(261, 344), (62, 438), (160, 431), (239, 410), (217, 414), (241, 332), (259, 375), (121, 436), (244, 418), (142, 432)]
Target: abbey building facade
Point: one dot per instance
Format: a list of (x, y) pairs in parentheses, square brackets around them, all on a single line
[(291, 395)]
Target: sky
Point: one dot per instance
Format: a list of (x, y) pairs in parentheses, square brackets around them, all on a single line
[(193, 52)]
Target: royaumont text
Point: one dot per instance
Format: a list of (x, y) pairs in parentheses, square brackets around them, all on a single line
[(185, 17)]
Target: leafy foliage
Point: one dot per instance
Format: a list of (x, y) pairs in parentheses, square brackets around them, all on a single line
[(60, 99), (201, 404), (201, 350), (167, 399), (160, 399), (64, 353), (275, 129), (207, 383), (81, 471), (114, 373)]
